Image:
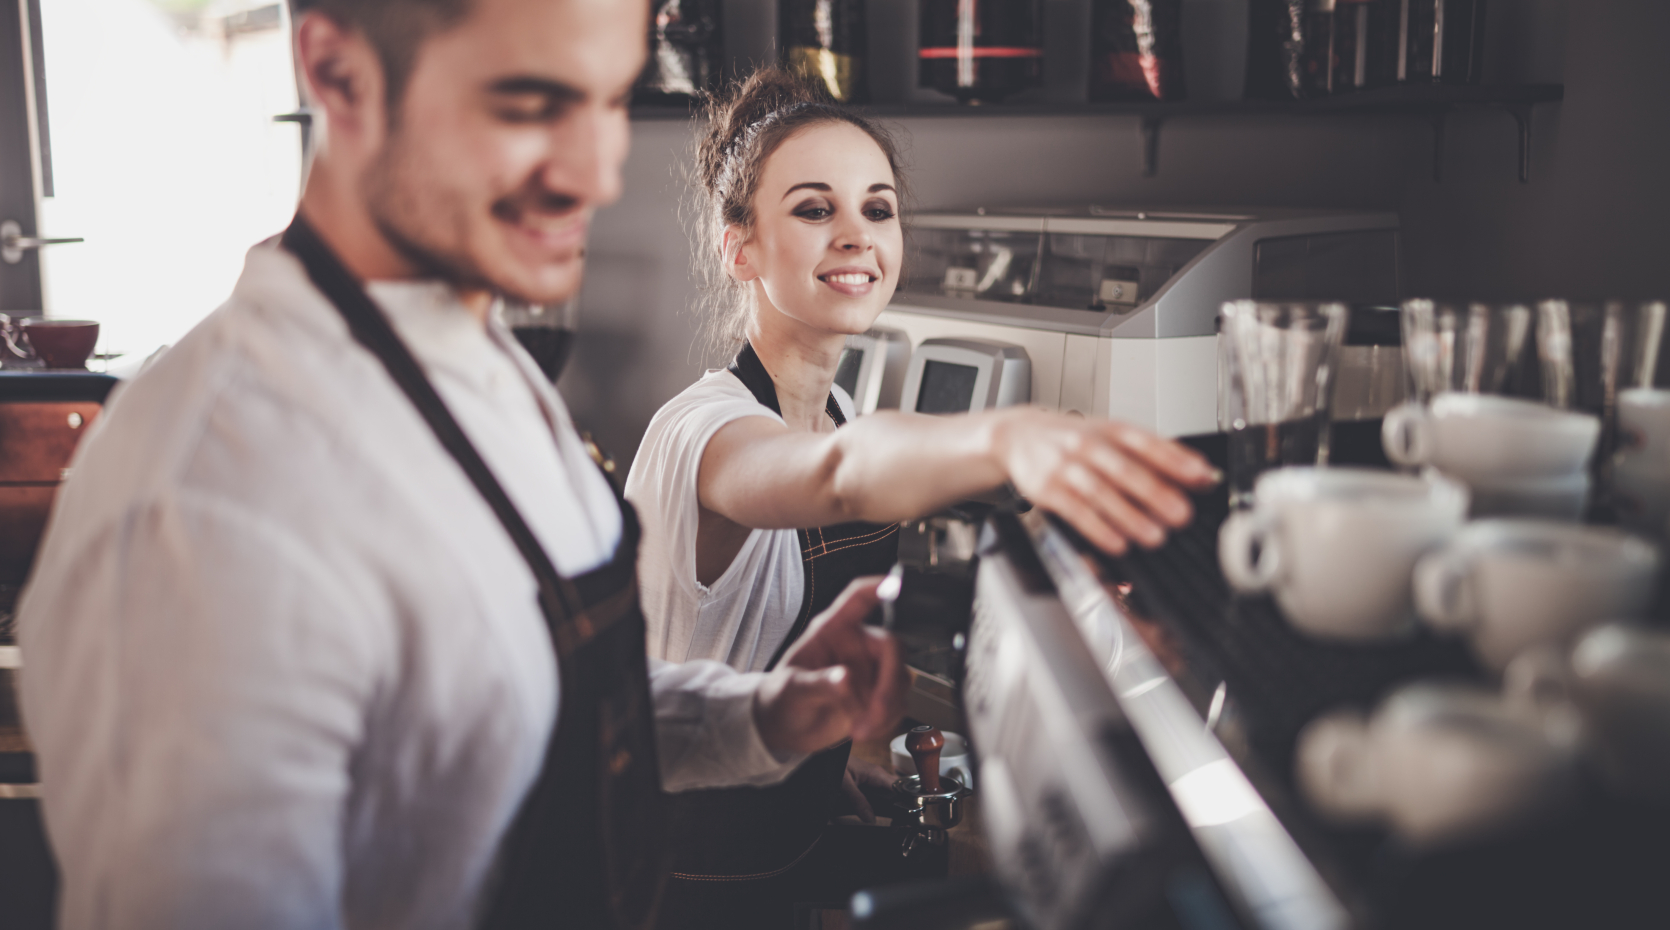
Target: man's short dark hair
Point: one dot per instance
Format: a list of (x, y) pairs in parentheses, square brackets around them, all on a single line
[(395, 29)]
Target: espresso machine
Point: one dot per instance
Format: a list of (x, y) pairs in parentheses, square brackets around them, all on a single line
[(1112, 307), (1135, 723)]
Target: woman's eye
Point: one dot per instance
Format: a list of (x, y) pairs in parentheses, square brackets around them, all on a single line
[(813, 213), (879, 214)]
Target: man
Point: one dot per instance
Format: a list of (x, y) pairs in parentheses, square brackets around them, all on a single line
[(288, 664)]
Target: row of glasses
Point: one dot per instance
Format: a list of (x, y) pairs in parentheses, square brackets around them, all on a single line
[(1569, 355), (1279, 363)]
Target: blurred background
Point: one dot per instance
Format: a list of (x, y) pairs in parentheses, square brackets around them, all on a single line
[(167, 160)]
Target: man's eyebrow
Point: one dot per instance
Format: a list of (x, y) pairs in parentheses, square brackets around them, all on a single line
[(518, 85)]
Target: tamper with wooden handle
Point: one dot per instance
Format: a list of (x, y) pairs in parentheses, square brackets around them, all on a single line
[(931, 804), (924, 744)]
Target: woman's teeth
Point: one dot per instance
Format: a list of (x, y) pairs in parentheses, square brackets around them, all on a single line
[(848, 279)]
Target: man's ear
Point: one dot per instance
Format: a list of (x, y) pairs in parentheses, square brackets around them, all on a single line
[(735, 255), (343, 77)]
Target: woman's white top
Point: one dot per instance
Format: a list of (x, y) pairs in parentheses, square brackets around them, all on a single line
[(744, 615)]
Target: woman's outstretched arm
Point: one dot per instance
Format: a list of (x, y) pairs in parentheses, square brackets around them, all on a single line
[(1115, 483)]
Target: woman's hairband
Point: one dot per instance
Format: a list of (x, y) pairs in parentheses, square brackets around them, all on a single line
[(744, 139)]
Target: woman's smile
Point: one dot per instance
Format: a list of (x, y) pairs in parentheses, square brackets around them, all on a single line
[(853, 282)]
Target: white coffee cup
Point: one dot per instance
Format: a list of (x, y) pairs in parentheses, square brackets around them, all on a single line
[(1620, 679), (1513, 584), (1564, 497), (1438, 763), (1644, 428), (1478, 436), (1337, 546), (1641, 495), (954, 759)]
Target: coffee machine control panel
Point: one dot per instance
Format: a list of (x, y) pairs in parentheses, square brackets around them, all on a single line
[(1106, 800)]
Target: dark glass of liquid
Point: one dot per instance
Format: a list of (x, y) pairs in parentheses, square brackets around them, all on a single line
[(546, 332), (550, 348), (1255, 448), (980, 51), (826, 41)]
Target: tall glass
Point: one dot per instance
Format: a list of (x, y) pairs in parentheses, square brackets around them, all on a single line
[(1591, 352), (1277, 366), (1475, 348), (546, 331)]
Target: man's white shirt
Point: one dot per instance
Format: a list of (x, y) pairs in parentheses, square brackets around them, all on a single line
[(282, 666)]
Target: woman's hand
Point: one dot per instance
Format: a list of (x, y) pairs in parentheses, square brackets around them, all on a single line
[(1115, 483)]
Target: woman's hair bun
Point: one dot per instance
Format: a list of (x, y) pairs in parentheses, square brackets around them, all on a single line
[(743, 106)]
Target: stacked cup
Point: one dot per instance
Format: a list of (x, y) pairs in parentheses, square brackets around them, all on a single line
[(1485, 408), (1641, 467), (1516, 456)]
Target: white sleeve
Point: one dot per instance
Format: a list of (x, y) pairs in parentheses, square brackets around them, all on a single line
[(663, 487), (705, 732), (196, 688)]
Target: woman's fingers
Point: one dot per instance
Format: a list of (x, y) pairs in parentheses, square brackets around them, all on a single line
[(1107, 519), (1176, 461), (1136, 480)]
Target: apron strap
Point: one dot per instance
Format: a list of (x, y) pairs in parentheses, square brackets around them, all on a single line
[(751, 372), (558, 599)]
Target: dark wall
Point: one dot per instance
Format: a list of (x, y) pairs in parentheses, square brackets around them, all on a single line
[(1592, 222), (1587, 224)]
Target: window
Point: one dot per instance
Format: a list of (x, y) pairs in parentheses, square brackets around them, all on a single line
[(164, 157)]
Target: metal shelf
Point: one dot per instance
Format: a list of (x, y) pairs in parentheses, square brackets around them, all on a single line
[(1432, 101)]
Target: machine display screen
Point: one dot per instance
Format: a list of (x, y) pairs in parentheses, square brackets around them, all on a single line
[(946, 388), (846, 371)]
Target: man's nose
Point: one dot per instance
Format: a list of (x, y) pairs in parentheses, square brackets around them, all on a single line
[(587, 150)]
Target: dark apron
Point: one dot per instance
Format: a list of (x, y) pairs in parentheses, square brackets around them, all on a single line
[(588, 846), (748, 837)]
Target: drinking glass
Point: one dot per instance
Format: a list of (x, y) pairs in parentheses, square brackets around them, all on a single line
[(1591, 352), (1277, 366), (546, 331), (1475, 348)]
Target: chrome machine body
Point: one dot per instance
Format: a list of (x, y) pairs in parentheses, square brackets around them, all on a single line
[(1106, 798), (1116, 308)]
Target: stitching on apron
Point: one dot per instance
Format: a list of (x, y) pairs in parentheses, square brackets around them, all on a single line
[(854, 542), (689, 877), (822, 546)]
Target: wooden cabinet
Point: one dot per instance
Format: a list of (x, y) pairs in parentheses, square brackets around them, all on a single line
[(37, 440)]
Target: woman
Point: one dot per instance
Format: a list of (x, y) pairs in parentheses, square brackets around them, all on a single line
[(801, 200)]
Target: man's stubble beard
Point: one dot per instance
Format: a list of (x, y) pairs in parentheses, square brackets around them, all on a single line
[(395, 206)]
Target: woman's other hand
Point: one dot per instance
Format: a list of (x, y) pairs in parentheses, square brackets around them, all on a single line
[(1115, 483)]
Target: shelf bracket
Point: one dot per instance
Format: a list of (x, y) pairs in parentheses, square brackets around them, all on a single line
[(1151, 145), (1522, 115)]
